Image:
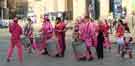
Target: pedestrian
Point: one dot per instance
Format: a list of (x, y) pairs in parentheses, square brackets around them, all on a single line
[(128, 47), (87, 33), (15, 31), (46, 34), (60, 29), (100, 40), (107, 42), (28, 32), (77, 43), (120, 35)]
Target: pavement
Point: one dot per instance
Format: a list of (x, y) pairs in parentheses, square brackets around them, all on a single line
[(110, 58)]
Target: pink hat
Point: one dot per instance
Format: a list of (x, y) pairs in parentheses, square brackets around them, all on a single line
[(46, 17)]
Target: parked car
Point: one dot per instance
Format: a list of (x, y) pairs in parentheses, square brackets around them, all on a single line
[(4, 23)]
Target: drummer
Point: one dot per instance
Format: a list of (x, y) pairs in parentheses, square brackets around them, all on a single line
[(28, 31)]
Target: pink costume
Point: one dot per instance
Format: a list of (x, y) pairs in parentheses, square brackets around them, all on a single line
[(87, 34), (88, 38), (60, 34), (16, 31), (107, 42), (81, 31), (47, 33), (93, 33)]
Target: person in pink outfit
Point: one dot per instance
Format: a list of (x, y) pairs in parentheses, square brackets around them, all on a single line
[(87, 37), (93, 29), (46, 33), (81, 29), (15, 31), (107, 42), (60, 29)]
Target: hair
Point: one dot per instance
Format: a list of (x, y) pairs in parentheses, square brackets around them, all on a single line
[(105, 20), (48, 20), (130, 39), (86, 17), (58, 19), (29, 19), (121, 22)]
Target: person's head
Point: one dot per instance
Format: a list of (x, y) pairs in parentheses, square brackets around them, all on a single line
[(105, 20), (86, 19), (46, 18), (76, 36), (91, 20), (130, 39), (77, 20), (100, 22), (58, 19), (15, 19), (29, 21), (120, 21)]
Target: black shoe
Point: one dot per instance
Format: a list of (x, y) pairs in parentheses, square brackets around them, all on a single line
[(82, 58), (8, 60), (57, 55), (44, 53), (90, 59)]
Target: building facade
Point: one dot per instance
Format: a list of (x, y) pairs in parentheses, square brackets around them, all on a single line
[(71, 8)]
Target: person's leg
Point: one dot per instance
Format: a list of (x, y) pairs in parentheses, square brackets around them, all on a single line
[(30, 45), (123, 50), (130, 54), (63, 45), (59, 45), (89, 53), (43, 46), (97, 50), (10, 50), (101, 53), (118, 49), (19, 51)]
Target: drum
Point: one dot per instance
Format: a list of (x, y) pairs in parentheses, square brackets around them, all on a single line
[(25, 41), (79, 48), (51, 47), (37, 38)]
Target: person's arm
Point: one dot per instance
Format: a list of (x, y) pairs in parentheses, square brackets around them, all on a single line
[(24, 30), (21, 31), (10, 28)]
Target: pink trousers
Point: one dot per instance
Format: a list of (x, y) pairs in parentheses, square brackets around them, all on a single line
[(18, 45)]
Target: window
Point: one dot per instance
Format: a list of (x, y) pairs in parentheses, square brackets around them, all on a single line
[(111, 3)]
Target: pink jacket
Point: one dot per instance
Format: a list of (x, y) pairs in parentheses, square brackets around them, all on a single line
[(81, 31), (47, 29), (15, 30)]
